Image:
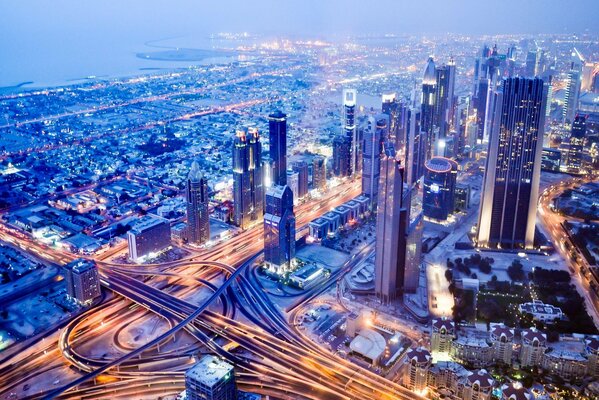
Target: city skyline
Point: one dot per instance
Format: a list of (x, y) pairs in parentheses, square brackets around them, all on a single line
[(299, 200)]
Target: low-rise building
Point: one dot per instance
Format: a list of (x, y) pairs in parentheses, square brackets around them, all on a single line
[(567, 364), (369, 344), (472, 351), (592, 351), (541, 311), (150, 234), (210, 379)]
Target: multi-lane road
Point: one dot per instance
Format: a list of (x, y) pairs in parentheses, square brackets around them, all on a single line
[(275, 359)]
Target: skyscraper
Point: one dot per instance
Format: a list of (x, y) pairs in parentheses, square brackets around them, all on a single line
[(439, 187), (248, 194), (350, 130), (533, 61), (279, 229), (392, 219), (376, 131), (414, 148), (443, 104), (277, 129), (511, 184), (341, 156), (319, 173), (428, 108), (576, 143), (573, 85), (196, 195), (301, 168)]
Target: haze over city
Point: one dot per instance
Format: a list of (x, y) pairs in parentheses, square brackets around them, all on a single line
[(299, 200)]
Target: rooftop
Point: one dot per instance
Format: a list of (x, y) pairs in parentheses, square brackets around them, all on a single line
[(209, 370)]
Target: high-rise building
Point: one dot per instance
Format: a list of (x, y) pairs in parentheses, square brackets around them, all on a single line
[(83, 282), (210, 379), (511, 184), (419, 361), (350, 129), (429, 108), (532, 348), (279, 229), (480, 105), (277, 130), (415, 152), (439, 188), (150, 234), (392, 220), (533, 61), (502, 340), (463, 142), (268, 167), (444, 104), (301, 168), (198, 218), (576, 144), (319, 173), (248, 192), (442, 334), (374, 134), (293, 183), (551, 159), (341, 156), (573, 85)]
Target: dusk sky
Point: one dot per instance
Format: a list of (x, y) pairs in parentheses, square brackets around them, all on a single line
[(30, 18), (50, 42)]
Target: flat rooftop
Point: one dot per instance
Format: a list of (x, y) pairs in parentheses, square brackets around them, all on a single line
[(209, 370)]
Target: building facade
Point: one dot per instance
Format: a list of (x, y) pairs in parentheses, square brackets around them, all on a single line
[(151, 234), (350, 130), (277, 135), (196, 196), (83, 281), (341, 157), (377, 130), (319, 173), (391, 226), (511, 184), (279, 229), (248, 191), (440, 175), (210, 379)]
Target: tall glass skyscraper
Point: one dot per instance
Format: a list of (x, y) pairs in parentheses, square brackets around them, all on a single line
[(428, 108), (248, 194), (511, 184), (573, 86), (392, 220), (198, 221), (341, 156), (277, 130), (350, 128), (279, 229), (576, 144), (375, 133)]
